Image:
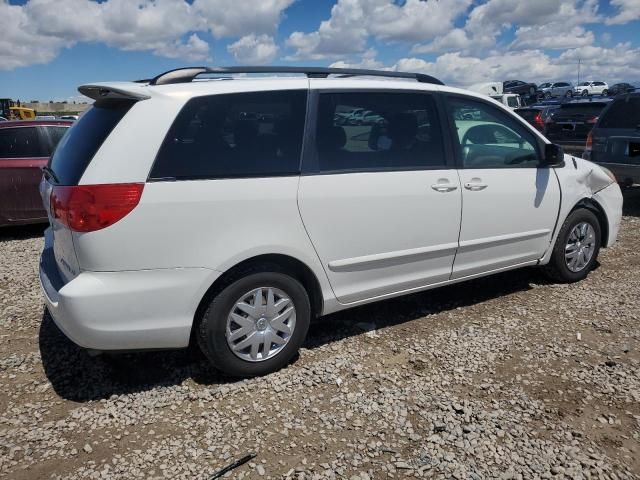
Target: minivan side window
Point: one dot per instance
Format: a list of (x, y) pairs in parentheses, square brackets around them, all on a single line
[(256, 134), (20, 142), (369, 131), (490, 138)]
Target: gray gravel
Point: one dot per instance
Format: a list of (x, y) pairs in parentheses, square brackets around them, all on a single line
[(503, 377)]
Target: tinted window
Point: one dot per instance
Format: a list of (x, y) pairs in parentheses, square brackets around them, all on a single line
[(598, 83), (562, 84), (55, 135), (586, 108), (20, 142), (623, 113), (81, 142), (235, 135), (512, 101), (490, 138), (396, 131), (528, 114)]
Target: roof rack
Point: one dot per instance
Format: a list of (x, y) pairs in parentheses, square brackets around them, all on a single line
[(185, 75)]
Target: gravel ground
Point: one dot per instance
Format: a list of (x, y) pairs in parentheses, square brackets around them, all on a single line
[(504, 377)]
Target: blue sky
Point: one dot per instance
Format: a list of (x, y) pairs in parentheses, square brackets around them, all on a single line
[(49, 47)]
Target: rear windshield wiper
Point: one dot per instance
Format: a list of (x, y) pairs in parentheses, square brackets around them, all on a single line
[(50, 173)]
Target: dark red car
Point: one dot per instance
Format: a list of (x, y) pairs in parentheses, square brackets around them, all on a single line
[(25, 147)]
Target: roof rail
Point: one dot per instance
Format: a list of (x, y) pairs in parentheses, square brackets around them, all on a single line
[(185, 75)]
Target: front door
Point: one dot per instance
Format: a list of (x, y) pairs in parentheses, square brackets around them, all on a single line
[(510, 206), (381, 201)]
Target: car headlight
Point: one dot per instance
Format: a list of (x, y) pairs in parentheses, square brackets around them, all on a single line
[(609, 174)]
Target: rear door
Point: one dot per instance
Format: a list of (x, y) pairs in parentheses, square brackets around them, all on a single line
[(381, 201), (22, 155), (510, 206), (72, 155)]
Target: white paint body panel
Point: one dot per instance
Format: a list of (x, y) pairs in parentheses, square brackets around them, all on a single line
[(382, 232), (369, 235), (511, 221)]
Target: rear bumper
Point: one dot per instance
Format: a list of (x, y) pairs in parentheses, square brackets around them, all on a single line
[(128, 310)]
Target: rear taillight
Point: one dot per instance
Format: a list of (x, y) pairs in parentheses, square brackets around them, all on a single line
[(539, 121), (87, 208), (589, 145)]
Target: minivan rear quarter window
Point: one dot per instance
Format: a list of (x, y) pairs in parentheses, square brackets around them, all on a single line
[(255, 134), (81, 142)]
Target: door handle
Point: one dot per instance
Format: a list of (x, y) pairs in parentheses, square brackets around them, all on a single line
[(444, 187), (475, 186)]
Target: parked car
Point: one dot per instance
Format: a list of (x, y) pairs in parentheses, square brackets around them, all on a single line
[(592, 88), (69, 117), (2, 119), (519, 87), (557, 89), (236, 235), (615, 139), (537, 115), (620, 88), (25, 147), (570, 124), (46, 117)]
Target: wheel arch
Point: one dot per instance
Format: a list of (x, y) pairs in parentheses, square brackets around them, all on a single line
[(279, 262), (593, 206)]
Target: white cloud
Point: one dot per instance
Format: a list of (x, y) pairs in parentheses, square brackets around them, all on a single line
[(37, 31), (368, 60), (619, 63), (254, 50), (628, 11), (235, 18), (552, 36), (193, 49), (19, 47), (538, 24), (352, 22)]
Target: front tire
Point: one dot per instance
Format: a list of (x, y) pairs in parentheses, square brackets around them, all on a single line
[(576, 249), (585, 93), (256, 324)]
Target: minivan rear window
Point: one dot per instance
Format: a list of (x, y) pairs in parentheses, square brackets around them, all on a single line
[(624, 113), (586, 108), (81, 142)]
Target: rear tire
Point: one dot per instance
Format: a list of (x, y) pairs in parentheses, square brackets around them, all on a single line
[(221, 338), (576, 249), (605, 93)]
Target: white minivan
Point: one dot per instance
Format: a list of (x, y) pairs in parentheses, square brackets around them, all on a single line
[(227, 211)]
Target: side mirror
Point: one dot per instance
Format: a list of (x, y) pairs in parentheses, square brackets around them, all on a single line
[(553, 156)]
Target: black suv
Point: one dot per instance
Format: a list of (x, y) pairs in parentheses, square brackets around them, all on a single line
[(570, 124), (614, 141)]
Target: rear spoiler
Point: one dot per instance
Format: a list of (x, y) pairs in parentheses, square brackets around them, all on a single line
[(98, 92)]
